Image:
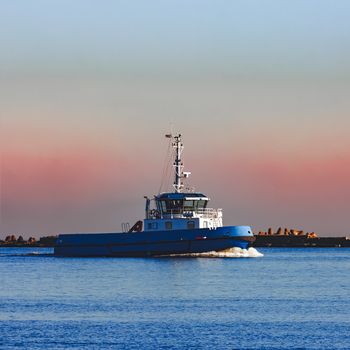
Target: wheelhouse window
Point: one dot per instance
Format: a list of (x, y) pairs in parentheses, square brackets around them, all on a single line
[(188, 206), (163, 206), (179, 206), (200, 204), (172, 206)]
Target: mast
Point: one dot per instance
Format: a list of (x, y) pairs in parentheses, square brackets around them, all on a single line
[(178, 165)]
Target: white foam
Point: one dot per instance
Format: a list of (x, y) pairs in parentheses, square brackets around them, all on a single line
[(228, 253)]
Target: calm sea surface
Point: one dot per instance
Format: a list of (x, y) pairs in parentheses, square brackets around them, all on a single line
[(288, 299)]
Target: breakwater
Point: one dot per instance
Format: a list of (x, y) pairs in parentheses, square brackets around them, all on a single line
[(13, 241), (300, 241), (291, 238)]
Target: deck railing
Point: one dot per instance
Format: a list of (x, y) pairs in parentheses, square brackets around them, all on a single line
[(179, 213)]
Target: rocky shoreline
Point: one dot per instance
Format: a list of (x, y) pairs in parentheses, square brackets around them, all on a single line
[(292, 238), (301, 241), (20, 242)]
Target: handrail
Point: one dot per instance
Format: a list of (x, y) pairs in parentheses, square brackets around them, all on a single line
[(203, 212)]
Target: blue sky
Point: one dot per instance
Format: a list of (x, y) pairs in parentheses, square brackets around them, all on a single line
[(259, 89), (251, 39)]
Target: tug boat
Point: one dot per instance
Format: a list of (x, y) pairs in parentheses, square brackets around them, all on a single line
[(176, 223)]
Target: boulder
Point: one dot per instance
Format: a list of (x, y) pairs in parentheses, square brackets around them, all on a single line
[(10, 238), (311, 235)]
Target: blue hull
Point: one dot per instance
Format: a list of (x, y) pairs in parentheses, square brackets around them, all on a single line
[(153, 243)]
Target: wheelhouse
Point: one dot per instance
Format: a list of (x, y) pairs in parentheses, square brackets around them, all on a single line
[(181, 209), (180, 203), (175, 211)]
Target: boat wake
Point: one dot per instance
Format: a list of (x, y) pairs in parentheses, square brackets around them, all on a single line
[(228, 253)]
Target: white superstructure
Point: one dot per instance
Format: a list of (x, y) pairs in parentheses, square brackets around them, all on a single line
[(180, 210)]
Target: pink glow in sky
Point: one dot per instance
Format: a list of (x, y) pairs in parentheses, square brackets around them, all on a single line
[(259, 92)]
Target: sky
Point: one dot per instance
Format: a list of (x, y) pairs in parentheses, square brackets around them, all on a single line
[(259, 89)]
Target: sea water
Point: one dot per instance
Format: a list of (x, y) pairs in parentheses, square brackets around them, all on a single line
[(287, 299)]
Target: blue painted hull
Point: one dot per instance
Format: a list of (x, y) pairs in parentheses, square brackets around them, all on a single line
[(153, 243)]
